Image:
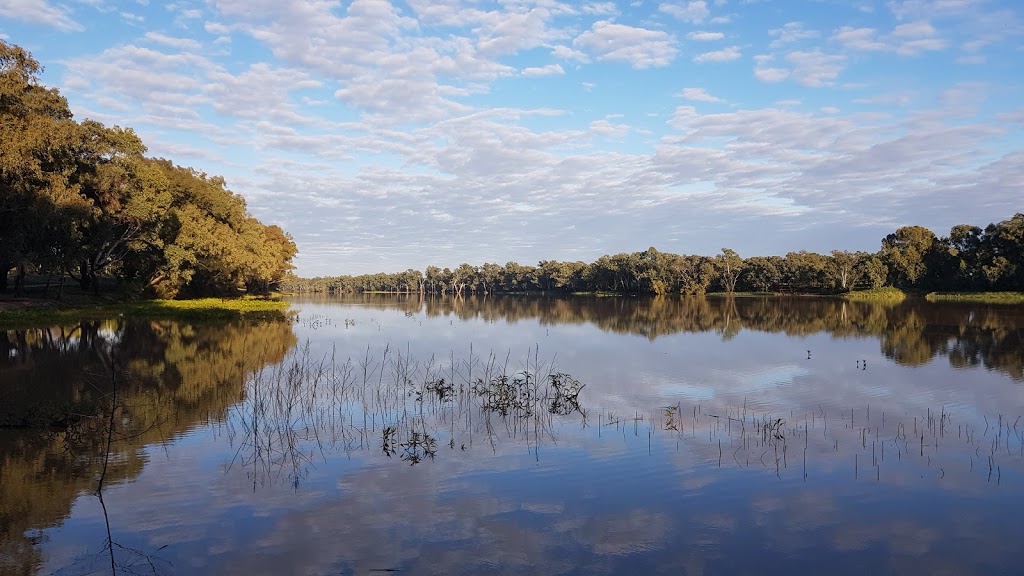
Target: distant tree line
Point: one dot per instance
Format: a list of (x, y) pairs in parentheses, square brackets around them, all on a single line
[(912, 258), (79, 200)]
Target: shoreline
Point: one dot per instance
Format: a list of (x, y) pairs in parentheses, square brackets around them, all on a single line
[(28, 312)]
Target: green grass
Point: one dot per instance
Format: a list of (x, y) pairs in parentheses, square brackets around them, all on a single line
[(742, 294), (884, 294), (982, 297), (39, 313)]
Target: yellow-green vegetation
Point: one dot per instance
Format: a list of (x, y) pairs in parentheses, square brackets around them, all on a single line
[(982, 297), (82, 201), (745, 294), (194, 310), (884, 294)]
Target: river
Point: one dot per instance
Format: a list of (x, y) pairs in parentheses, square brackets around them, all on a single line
[(512, 435)]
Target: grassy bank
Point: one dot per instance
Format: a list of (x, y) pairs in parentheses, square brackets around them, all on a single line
[(739, 294), (981, 297), (27, 312), (885, 294)]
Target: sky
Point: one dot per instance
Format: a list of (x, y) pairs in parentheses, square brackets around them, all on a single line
[(392, 135)]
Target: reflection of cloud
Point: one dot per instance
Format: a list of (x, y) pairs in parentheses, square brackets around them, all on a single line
[(595, 501), (637, 532), (904, 537)]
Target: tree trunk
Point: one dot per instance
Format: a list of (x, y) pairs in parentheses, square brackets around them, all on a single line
[(19, 280), (83, 278)]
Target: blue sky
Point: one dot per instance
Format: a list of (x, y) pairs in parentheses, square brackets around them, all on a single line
[(386, 136)]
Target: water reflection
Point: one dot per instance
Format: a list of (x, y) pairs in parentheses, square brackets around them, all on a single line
[(519, 435), (910, 332), (57, 396)]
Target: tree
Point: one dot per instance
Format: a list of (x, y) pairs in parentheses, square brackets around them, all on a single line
[(80, 198), (490, 276), (804, 271), (842, 269), (462, 276), (763, 273), (121, 209), (1003, 261), (873, 270), (37, 137), (967, 248), (729, 266), (904, 252)]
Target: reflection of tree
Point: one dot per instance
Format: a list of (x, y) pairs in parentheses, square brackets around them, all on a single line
[(55, 397), (907, 342), (911, 332)]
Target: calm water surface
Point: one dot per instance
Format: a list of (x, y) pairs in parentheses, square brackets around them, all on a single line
[(520, 435)]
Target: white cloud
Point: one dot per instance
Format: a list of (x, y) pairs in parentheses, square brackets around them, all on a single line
[(725, 55), (920, 45), (694, 12), (913, 30), (503, 34), (771, 75), (767, 73), (909, 39), (915, 9), (608, 129), (40, 12), (698, 94), (600, 8), (815, 68), (548, 70), (791, 32), (179, 43), (132, 18), (566, 53), (356, 122), (705, 36), (965, 97), (862, 39), (886, 99), (216, 28), (640, 47)]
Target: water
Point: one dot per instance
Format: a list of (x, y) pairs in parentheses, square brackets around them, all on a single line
[(520, 435)]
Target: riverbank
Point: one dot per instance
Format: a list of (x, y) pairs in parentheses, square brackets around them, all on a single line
[(981, 297), (17, 312)]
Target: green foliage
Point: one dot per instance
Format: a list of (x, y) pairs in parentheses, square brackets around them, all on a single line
[(912, 258), (80, 200), (905, 253), (982, 297), (885, 294)]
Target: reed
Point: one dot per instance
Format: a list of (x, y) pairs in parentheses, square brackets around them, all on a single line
[(295, 413)]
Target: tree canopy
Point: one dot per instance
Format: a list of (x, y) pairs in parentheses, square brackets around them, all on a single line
[(912, 258), (81, 199)]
